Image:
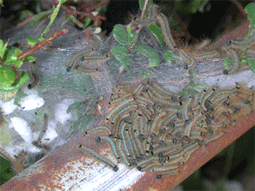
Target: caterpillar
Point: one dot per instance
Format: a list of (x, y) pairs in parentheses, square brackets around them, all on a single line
[(97, 58), (38, 143), (162, 20), (241, 44), (35, 76), (99, 157), (187, 59), (235, 61), (205, 55), (87, 71)]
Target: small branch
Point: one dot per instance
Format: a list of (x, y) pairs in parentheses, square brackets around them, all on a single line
[(42, 44), (240, 7), (33, 18), (142, 15), (144, 8), (71, 12), (98, 5)]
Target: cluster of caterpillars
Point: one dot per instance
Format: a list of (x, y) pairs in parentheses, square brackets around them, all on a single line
[(190, 56), (155, 130)]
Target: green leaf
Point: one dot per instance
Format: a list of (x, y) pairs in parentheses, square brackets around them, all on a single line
[(129, 30), (23, 78), (169, 56), (131, 36), (120, 34), (17, 52), (251, 64), (1, 44), (40, 39), (7, 76), (153, 56), (10, 55), (156, 31), (53, 16), (228, 63), (87, 21), (29, 59), (17, 63), (122, 54), (2, 48), (251, 16), (31, 41), (78, 23)]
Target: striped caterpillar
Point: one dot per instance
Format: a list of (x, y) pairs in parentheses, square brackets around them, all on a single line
[(35, 76)]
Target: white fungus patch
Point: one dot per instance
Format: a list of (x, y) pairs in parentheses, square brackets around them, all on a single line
[(32, 101), (28, 147), (15, 150), (11, 151), (22, 128), (8, 107), (61, 115)]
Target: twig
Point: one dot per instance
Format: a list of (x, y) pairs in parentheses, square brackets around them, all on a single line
[(33, 18), (98, 5), (142, 15), (70, 12), (42, 44), (239, 6), (144, 8)]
